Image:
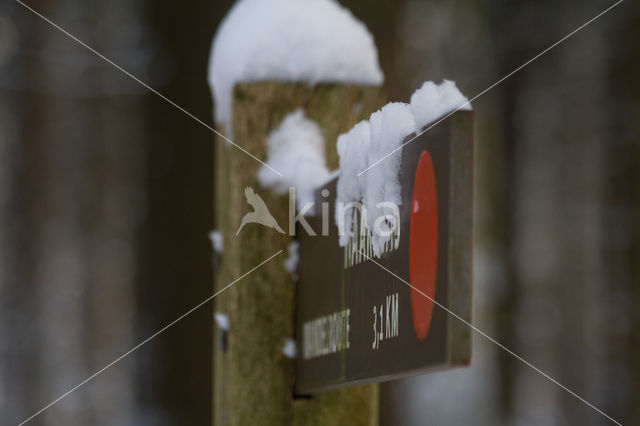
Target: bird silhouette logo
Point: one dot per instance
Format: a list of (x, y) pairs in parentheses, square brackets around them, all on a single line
[(260, 213)]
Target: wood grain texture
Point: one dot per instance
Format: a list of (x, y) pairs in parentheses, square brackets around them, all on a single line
[(253, 381)]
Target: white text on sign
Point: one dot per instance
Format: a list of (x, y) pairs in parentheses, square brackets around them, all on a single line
[(326, 335), (385, 320)]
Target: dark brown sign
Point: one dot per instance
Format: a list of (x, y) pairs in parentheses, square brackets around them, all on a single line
[(356, 322)]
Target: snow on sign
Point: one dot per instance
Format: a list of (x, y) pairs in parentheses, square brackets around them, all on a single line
[(356, 322)]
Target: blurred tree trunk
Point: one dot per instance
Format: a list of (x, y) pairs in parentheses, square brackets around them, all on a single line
[(174, 372), (566, 309), (71, 143), (620, 380)]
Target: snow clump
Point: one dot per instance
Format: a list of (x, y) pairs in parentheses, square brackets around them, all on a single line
[(288, 40), (295, 149), (370, 156), (217, 240), (291, 262), (433, 101)]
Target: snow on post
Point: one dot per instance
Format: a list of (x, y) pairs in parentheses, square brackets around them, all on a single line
[(370, 141), (222, 320), (217, 241), (296, 149), (267, 59), (288, 40), (362, 145), (289, 349), (432, 101), (291, 262)]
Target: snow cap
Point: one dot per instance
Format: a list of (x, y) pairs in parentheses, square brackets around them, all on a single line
[(288, 40)]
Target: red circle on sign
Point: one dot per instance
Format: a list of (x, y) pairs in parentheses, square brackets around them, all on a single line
[(423, 245)]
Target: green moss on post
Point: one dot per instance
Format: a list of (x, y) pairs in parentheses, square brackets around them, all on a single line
[(253, 381)]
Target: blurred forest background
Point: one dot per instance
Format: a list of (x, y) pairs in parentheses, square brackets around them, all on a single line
[(106, 201)]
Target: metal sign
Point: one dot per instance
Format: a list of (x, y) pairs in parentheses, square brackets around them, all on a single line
[(359, 323)]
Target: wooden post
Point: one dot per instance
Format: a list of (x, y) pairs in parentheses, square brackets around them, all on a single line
[(253, 380)]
